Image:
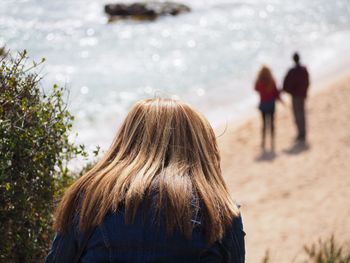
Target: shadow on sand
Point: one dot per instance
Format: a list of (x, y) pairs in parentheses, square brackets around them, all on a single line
[(297, 148), (266, 156)]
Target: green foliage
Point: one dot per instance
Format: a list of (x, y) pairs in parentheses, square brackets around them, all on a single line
[(327, 252), (323, 252), (2, 51), (34, 149), (266, 258)]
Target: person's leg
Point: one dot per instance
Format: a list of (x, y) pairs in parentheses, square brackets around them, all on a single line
[(299, 109), (295, 114), (272, 127), (302, 119), (263, 131)]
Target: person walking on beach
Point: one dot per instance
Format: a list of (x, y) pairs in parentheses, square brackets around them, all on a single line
[(296, 83), (157, 195), (265, 85)]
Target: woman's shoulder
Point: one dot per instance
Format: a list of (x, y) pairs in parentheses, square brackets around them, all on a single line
[(237, 224), (233, 241)]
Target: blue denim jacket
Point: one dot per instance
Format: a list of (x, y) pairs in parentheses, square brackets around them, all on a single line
[(146, 241)]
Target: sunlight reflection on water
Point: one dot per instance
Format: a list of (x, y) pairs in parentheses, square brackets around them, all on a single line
[(207, 57)]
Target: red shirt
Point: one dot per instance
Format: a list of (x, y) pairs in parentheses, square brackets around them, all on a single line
[(266, 93), (297, 82)]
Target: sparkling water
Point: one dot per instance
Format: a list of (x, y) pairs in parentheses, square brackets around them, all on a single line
[(208, 57)]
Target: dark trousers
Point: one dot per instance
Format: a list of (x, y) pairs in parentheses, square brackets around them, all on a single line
[(268, 123), (299, 116)]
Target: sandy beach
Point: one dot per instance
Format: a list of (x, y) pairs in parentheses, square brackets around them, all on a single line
[(298, 195)]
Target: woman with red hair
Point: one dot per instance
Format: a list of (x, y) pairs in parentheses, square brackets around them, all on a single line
[(265, 85)]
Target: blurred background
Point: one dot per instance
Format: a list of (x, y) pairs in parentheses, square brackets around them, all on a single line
[(208, 57)]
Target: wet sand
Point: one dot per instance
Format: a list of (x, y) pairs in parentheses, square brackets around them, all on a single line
[(299, 194)]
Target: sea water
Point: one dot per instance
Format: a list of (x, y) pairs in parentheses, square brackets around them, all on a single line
[(208, 57)]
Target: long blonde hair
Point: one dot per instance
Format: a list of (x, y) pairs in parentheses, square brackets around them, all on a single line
[(166, 149)]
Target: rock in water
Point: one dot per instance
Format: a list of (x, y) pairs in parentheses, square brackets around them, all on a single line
[(148, 10)]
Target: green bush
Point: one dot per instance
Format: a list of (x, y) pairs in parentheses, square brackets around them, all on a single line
[(266, 258), (34, 149), (327, 252)]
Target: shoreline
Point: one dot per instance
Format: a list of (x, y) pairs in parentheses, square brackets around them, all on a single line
[(233, 122), (292, 199), (220, 110)]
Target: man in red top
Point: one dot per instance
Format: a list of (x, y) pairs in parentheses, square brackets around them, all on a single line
[(296, 83)]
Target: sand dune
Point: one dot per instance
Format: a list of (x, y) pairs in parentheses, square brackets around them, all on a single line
[(298, 195)]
